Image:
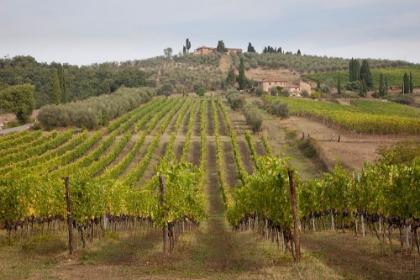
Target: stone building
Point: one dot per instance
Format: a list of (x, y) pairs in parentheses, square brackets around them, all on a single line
[(209, 50), (294, 88)]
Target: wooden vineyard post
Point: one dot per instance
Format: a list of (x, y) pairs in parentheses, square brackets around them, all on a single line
[(294, 214), (162, 203), (69, 214)]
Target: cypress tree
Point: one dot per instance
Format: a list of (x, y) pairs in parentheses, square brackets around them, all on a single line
[(251, 47), (55, 95), (187, 45), (406, 83), (351, 70), (221, 46), (381, 85), (411, 83), (354, 70), (362, 88), (241, 75), (386, 85), (339, 84), (366, 75), (62, 81)]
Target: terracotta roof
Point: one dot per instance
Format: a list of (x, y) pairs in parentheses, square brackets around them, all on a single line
[(272, 79)]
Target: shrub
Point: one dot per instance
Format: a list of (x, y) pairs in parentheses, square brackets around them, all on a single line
[(259, 91), (151, 81), (274, 91), (353, 86), (304, 93), (325, 89), (285, 92), (253, 117), (280, 109), (316, 95), (376, 95), (166, 89), (200, 91), (198, 86), (258, 104), (310, 148), (402, 99), (36, 126), (235, 99), (274, 65), (253, 63)]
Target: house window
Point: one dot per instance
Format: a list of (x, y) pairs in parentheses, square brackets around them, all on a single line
[(269, 84)]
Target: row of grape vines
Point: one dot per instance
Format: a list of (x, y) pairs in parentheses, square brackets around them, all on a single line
[(106, 193), (380, 197), (102, 197)]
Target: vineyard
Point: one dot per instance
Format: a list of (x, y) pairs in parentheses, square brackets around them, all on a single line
[(100, 165), (394, 76), (367, 117), (116, 186)]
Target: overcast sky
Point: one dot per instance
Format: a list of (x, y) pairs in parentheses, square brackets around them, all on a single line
[(84, 32)]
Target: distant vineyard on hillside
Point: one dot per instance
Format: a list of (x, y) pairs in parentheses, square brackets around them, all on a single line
[(369, 117), (394, 76), (307, 63)]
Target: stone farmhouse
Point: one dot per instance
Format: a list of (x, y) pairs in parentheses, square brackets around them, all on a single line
[(267, 84), (209, 50)]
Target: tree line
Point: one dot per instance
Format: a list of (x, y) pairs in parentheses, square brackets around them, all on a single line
[(59, 83), (360, 76), (361, 79)]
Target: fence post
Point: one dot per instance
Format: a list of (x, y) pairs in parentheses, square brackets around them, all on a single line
[(69, 214), (162, 203), (294, 213)]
